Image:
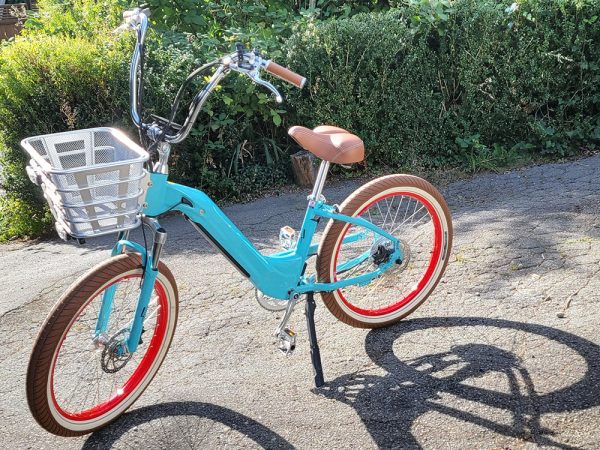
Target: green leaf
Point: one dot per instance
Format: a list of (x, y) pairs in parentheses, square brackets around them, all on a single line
[(276, 118)]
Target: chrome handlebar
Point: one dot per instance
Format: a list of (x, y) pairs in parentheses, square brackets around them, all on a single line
[(251, 65), (224, 66), (196, 106), (135, 19)]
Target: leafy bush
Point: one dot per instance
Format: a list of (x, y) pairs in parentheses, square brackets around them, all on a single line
[(418, 81), (218, 24), (327, 9), (76, 18), (50, 84), (358, 71), (241, 130)]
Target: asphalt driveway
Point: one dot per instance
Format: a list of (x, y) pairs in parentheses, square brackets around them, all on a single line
[(504, 354)]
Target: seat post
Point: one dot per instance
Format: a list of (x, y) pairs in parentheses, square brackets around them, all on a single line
[(319, 183)]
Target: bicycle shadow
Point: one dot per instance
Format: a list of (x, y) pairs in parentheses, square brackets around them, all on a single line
[(184, 425), (389, 405)]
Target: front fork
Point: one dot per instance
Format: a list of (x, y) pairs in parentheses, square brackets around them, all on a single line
[(150, 265)]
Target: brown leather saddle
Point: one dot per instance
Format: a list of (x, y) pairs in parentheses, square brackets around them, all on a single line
[(330, 143)]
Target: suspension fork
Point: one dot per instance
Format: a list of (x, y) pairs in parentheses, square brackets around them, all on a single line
[(150, 265), (109, 294)]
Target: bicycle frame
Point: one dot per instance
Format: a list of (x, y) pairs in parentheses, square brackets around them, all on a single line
[(280, 275)]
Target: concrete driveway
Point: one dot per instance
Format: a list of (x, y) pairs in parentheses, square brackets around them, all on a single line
[(504, 354)]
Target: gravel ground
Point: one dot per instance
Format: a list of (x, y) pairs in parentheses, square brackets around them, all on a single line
[(504, 354)]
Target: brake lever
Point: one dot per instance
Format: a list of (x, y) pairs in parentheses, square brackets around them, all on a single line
[(255, 76), (131, 19), (250, 68), (123, 27)]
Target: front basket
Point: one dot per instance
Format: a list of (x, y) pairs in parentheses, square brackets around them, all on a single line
[(94, 180)]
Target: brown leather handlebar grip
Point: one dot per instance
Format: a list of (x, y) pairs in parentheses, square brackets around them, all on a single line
[(285, 74)]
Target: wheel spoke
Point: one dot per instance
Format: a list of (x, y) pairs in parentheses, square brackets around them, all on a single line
[(387, 212), (407, 219), (75, 388)]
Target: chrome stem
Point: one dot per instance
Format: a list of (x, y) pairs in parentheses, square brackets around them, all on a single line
[(162, 166)]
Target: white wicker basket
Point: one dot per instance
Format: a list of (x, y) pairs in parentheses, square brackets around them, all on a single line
[(94, 180)]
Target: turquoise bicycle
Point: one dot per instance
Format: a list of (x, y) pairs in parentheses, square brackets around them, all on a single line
[(382, 252)]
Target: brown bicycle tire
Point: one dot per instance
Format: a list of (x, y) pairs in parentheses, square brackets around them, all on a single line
[(350, 207), (57, 323)]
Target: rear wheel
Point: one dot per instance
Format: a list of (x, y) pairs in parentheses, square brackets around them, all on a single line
[(78, 381), (411, 210)]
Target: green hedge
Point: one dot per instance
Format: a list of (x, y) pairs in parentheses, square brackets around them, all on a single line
[(50, 84), (430, 83), (472, 83)]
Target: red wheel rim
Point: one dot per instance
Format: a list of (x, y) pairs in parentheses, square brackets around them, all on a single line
[(435, 254), (136, 377)]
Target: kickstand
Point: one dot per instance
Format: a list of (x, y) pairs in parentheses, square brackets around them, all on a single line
[(315, 354)]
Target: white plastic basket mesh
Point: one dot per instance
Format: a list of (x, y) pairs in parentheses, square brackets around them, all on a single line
[(94, 180)]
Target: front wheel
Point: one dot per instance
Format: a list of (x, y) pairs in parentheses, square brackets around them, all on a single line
[(77, 379), (412, 211)]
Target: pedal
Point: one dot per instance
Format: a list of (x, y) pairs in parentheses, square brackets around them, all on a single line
[(287, 341)]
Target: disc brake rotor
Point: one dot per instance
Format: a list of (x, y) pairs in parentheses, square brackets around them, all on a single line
[(115, 355)]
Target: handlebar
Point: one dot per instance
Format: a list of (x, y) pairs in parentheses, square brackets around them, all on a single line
[(248, 63), (136, 19)]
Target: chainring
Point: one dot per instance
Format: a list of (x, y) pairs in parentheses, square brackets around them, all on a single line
[(270, 303)]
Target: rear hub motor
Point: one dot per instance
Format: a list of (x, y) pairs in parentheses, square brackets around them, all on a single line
[(382, 250)]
